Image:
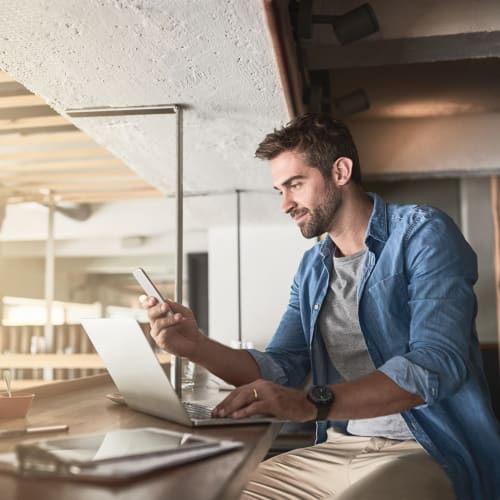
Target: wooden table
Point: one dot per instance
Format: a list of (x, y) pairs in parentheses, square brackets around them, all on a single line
[(81, 404)]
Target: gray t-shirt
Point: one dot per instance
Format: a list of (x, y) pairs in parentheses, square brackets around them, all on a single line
[(344, 341)]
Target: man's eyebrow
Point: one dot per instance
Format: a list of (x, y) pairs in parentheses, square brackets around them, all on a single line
[(289, 181)]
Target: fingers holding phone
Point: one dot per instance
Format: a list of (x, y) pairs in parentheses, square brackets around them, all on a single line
[(173, 326), (177, 334)]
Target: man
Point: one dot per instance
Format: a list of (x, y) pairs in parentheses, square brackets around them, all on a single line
[(382, 314)]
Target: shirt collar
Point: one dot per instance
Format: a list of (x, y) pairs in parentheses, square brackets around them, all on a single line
[(377, 226), (378, 223)]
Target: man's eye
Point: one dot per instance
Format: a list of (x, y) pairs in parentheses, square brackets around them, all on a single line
[(295, 186)]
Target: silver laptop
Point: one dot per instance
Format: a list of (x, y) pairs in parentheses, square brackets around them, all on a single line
[(140, 378)]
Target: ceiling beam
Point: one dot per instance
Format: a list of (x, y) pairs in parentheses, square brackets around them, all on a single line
[(70, 175), (84, 196), (100, 197), (428, 147), (74, 186), (21, 101), (403, 51), (35, 122), (4, 77), (23, 140), (54, 153), (63, 165), (280, 30)]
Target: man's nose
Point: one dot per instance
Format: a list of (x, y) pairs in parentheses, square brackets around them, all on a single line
[(287, 203)]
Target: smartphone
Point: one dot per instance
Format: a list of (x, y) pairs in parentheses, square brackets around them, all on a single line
[(148, 286)]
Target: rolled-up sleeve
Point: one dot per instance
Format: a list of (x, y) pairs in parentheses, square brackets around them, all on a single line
[(269, 369), (412, 378)]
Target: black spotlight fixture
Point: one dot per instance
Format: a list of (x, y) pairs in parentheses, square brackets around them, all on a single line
[(349, 27), (318, 99), (354, 102)]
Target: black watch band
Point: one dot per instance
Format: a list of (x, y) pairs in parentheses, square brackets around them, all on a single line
[(322, 397)]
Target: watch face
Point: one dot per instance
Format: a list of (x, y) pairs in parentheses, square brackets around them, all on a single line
[(321, 394)]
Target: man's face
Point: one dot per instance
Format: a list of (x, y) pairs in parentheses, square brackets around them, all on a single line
[(310, 199)]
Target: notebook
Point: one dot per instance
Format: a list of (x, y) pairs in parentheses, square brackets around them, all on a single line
[(140, 378)]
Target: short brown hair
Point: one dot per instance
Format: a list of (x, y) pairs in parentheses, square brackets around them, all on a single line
[(319, 137)]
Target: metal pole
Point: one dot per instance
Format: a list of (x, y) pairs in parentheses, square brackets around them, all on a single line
[(159, 109), (238, 257), (49, 283), (177, 361)]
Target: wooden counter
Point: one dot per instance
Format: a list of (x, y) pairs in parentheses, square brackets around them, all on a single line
[(82, 405)]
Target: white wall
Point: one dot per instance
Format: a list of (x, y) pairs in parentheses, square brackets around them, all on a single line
[(269, 258)]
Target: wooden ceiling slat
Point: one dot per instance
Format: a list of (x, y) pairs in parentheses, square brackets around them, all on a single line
[(63, 165), (84, 197), (71, 175), (34, 122), (54, 153), (60, 187), (43, 138), (111, 196), (21, 101), (4, 77)]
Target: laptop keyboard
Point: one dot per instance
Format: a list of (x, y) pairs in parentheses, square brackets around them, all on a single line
[(197, 411)]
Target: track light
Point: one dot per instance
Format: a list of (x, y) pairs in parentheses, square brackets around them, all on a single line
[(349, 27), (354, 102), (318, 99), (349, 104)]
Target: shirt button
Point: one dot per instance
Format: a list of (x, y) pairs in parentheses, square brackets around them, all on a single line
[(316, 307)]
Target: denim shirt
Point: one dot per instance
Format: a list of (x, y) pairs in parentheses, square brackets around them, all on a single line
[(417, 312)]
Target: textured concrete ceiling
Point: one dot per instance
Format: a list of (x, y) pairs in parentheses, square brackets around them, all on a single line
[(212, 57)]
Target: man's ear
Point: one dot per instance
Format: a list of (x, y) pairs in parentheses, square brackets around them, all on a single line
[(342, 171)]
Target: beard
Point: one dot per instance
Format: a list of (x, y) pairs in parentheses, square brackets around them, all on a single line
[(321, 218)]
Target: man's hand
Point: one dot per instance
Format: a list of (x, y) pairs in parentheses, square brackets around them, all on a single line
[(173, 327), (265, 398)]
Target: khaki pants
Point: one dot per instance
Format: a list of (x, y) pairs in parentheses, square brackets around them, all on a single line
[(351, 468)]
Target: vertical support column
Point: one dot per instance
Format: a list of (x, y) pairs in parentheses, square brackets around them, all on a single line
[(495, 206), (176, 368), (238, 265), (49, 283)]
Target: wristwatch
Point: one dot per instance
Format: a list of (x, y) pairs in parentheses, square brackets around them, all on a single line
[(322, 397)]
